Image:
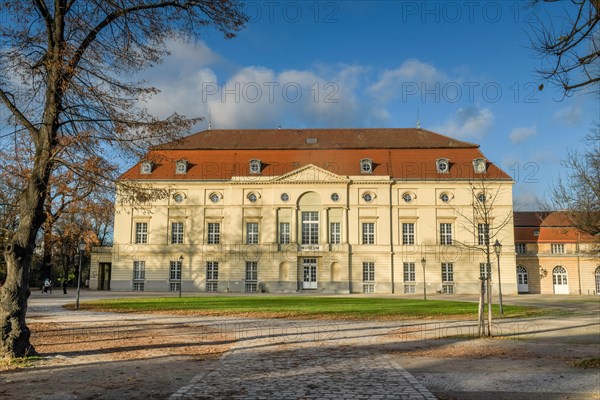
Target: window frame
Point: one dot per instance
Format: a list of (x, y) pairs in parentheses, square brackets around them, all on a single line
[(335, 233), (446, 233), (177, 236), (409, 271), (408, 235), (447, 272), (483, 234), (252, 232), (310, 227), (141, 236), (285, 236), (368, 271), (368, 232), (213, 237)]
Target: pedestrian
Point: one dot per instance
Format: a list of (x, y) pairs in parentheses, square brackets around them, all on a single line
[(47, 285), (64, 286), (87, 283)]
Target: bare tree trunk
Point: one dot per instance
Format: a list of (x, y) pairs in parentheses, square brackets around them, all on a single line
[(480, 319), (489, 301)]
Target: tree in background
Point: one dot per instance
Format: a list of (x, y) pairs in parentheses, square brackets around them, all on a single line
[(64, 69), (578, 193), (569, 45)]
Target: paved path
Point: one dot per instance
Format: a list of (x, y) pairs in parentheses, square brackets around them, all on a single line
[(310, 361)]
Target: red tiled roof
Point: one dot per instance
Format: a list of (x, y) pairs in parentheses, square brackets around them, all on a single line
[(552, 226), (264, 139), (400, 153)]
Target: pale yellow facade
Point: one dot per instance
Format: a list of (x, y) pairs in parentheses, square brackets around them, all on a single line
[(355, 230)]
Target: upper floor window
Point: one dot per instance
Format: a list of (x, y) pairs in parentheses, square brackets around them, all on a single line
[(310, 227), (284, 232), (444, 197), (146, 167), (520, 248), (483, 234), (139, 270), (335, 233), (214, 233), (481, 197), (408, 233), (252, 233), (255, 166), (479, 165), (447, 272), (368, 233), (445, 233), (141, 232), (442, 165), (366, 166), (177, 233), (181, 166), (557, 248)]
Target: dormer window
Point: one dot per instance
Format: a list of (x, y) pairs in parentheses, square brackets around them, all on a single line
[(181, 166), (479, 165), (255, 166), (366, 166), (442, 165), (146, 167)]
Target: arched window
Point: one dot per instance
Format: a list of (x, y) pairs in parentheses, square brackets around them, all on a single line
[(559, 280)]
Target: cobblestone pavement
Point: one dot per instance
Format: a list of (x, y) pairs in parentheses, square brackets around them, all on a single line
[(310, 361)]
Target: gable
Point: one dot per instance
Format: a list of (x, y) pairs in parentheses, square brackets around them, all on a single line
[(310, 174)]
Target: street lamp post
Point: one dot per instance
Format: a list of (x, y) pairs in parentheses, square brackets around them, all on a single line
[(81, 248), (498, 250), (180, 273), (423, 262)]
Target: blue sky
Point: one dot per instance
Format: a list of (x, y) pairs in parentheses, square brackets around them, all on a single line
[(465, 68)]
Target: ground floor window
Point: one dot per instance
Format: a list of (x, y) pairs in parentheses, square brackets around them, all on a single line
[(408, 289), (138, 286), (368, 277), (409, 272), (139, 275), (251, 276), (174, 286), (447, 289), (447, 272), (485, 270), (212, 276)]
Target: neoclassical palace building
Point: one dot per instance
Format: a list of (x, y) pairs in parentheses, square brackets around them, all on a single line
[(312, 210)]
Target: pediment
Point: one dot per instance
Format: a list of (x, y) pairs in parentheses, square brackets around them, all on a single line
[(310, 174)]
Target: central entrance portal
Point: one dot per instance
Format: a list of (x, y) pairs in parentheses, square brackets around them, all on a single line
[(309, 266)]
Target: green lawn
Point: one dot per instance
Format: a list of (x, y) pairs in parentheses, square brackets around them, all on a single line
[(305, 307)]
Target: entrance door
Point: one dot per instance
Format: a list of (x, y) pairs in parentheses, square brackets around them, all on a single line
[(104, 276), (559, 279), (309, 266), (522, 280)]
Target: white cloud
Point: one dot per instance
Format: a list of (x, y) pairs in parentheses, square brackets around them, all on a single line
[(570, 115), (468, 122), (519, 135), (413, 72)]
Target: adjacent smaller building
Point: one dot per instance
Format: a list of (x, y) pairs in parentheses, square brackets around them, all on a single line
[(553, 257)]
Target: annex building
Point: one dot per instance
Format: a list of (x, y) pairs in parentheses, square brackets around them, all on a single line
[(313, 210), (553, 257)]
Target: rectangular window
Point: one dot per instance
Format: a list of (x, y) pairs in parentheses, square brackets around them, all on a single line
[(335, 233), (447, 289), (141, 232), (310, 227), (368, 271), (284, 233), (557, 248), (447, 272), (175, 270), (483, 234), (138, 286), (177, 233), (212, 276), (214, 233), (485, 272), (368, 288), (252, 233), (408, 289), (174, 286), (251, 276), (139, 270), (368, 233), (445, 233), (408, 233), (520, 248), (409, 272)]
